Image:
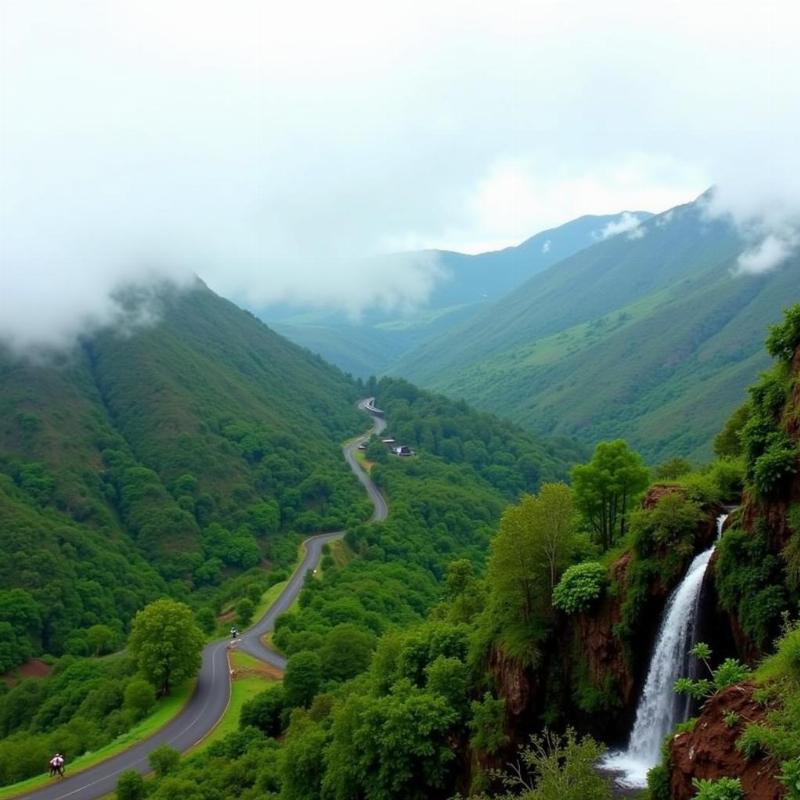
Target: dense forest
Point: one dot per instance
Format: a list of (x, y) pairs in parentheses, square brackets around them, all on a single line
[(167, 461), (420, 669), (189, 460), (502, 614)]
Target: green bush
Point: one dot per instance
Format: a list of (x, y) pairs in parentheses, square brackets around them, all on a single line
[(750, 583), (722, 789), (579, 587), (140, 697), (784, 338), (790, 777), (163, 759), (776, 466), (753, 741), (130, 786)]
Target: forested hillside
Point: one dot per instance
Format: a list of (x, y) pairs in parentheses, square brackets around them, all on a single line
[(553, 634), (375, 697), (465, 285), (653, 337), (167, 459)]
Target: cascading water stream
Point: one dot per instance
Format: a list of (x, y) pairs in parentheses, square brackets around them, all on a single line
[(660, 709)]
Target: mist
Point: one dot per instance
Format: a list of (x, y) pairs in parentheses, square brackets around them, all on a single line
[(279, 154)]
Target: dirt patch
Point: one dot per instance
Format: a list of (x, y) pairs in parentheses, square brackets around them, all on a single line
[(709, 751), (265, 671), (35, 668)]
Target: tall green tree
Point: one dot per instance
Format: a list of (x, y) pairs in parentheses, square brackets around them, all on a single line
[(531, 549), (302, 679), (166, 643), (555, 514), (607, 487)]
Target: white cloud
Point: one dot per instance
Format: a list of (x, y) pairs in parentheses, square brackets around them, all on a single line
[(546, 246), (627, 223), (270, 149), (766, 255), (638, 232)]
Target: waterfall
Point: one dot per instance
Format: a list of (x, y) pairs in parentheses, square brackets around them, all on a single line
[(660, 709)]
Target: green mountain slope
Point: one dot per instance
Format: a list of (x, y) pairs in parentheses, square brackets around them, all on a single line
[(171, 458), (375, 343), (653, 339)]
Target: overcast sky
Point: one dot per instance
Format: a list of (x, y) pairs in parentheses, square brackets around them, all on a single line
[(268, 147)]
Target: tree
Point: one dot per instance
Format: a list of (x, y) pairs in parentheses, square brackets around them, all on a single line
[(529, 552), (607, 487), (206, 619), (163, 759), (244, 611), (517, 575), (265, 711), (555, 514), (673, 468), (302, 678), (130, 786), (100, 638), (396, 747), (346, 651), (140, 697), (166, 643)]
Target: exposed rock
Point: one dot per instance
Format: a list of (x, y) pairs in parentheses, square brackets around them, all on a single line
[(515, 684), (657, 491), (709, 751), (602, 651)]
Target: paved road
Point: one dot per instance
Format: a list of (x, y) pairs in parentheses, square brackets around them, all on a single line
[(210, 698)]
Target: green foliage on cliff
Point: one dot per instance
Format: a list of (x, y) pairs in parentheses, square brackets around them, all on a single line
[(607, 488), (580, 585)]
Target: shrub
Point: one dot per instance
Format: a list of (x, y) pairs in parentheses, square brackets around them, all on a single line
[(790, 778), (130, 786), (163, 760), (670, 526), (753, 741), (722, 789), (728, 673), (140, 697), (784, 338), (265, 711), (579, 587), (244, 611), (749, 581), (775, 466), (206, 619)]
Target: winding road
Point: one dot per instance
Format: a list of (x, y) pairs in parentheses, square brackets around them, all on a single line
[(212, 692)]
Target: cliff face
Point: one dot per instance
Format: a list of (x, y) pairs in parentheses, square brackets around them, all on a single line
[(709, 751), (594, 663)]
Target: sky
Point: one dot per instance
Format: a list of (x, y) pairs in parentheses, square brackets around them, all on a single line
[(277, 150)]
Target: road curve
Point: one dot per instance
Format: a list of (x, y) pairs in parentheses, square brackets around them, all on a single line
[(212, 692)]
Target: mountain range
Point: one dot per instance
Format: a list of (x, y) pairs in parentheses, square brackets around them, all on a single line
[(652, 337), (467, 284)]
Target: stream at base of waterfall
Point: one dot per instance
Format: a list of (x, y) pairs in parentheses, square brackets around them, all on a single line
[(660, 709)]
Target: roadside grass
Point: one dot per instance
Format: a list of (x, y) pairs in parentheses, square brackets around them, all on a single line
[(166, 709), (250, 677), (363, 461), (341, 553), (269, 597)]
